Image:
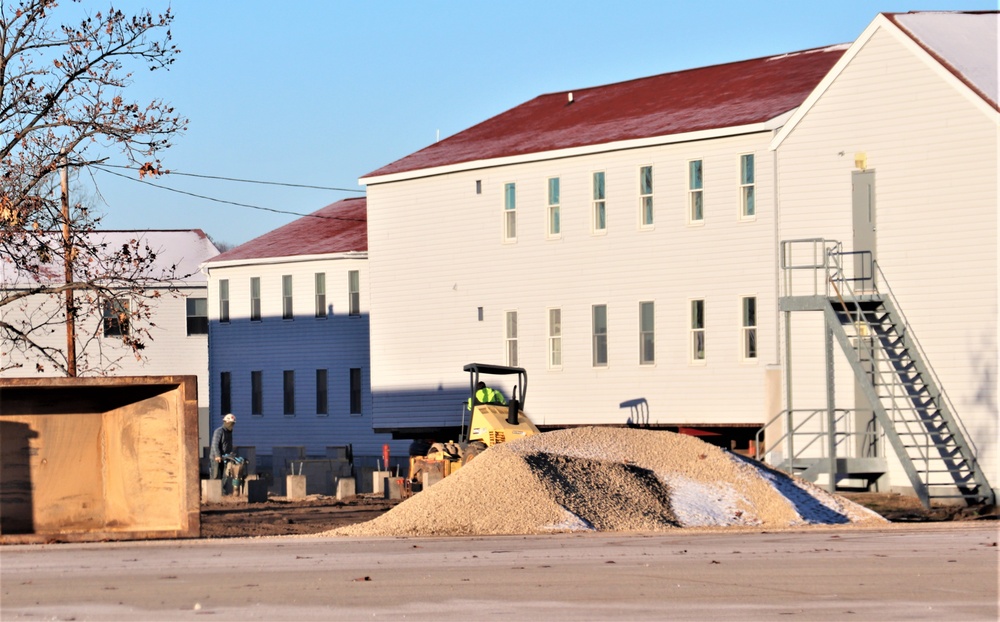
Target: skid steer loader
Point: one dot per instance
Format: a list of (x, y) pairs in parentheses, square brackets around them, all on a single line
[(490, 422)]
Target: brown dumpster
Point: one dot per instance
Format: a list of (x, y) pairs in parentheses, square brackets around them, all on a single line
[(86, 459)]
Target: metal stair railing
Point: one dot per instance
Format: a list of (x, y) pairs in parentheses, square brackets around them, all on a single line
[(909, 392), (812, 449)]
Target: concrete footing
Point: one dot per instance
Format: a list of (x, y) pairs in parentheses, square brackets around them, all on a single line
[(211, 490), (346, 488), (378, 481), (295, 486), (393, 488)]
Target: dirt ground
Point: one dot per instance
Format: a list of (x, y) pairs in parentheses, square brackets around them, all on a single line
[(279, 516)]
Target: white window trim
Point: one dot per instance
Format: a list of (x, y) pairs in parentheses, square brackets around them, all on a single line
[(743, 329), (552, 339), (643, 225), (743, 217), (504, 229), (594, 230), (593, 337), (643, 363), (692, 331), (550, 207), (508, 339), (691, 220)]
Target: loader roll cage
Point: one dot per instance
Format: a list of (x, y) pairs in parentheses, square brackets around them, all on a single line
[(516, 402)]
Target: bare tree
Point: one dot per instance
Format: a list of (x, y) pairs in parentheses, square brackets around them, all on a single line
[(63, 107)]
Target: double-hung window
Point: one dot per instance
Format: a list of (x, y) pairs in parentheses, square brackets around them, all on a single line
[(320, 287), (116, 317), (696, 204), (647, 334), (553, 218), (322, 394), (289, 386), (509, 212), (256, 393), (224, 302), (748, 208), (354, 292), (600, 217), (599, 314), (197, 316), (697, 330), (646, 196), (355, 390), (286, 298), (510, 337), (749, 327), (555, 338), (255, 299)]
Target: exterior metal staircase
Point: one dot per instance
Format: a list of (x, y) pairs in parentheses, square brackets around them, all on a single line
[(893, 373)]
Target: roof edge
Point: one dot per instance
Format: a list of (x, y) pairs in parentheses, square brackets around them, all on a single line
[(261, 261)]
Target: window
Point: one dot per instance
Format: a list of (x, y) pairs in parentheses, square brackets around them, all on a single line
[(286, 297), (256, 393), (322, 395), (224, 301), (646, 196), (749, 327), (225, 393), (748, 208), (555, 338), (600, 334), (697, 330), (647, 350), (600, 205), (355, 391), (320, 280), (116, 316), (289, 385), (509, 212), (255, 299), (354, 292), (554, 206), (696, 205), (510, 332), (197, 316)]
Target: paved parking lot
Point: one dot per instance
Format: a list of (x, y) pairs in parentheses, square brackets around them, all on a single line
[(924, 572)]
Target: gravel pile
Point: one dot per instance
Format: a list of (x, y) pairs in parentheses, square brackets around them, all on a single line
[(609, 479)]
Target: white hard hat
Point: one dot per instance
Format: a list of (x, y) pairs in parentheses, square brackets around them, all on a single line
[(230, 418)]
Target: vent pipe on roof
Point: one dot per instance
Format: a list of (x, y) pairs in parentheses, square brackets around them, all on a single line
[(569, 97)]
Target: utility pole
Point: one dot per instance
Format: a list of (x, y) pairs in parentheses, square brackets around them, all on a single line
[(68, 265)]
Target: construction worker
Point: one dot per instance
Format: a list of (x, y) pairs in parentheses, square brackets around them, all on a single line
[(222, 445), (487, 395)]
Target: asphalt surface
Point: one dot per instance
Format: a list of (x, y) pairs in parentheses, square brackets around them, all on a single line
[(944, 571)]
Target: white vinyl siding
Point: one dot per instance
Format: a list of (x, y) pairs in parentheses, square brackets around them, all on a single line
[(428, 305)]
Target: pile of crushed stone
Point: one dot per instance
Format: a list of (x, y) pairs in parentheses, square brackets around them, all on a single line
[(609, 479)]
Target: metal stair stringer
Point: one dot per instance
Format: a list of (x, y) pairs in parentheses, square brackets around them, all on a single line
[(905, 399)]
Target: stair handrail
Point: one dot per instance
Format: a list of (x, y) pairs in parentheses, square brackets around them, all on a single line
[(912, 339), (760, 450)]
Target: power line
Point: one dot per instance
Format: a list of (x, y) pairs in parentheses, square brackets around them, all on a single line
[(207, 198), (245, 181)]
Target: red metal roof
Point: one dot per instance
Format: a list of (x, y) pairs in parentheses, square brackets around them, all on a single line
[(734, 94), (337, 228)]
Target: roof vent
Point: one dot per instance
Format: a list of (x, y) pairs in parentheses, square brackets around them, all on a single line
[(569, 97)]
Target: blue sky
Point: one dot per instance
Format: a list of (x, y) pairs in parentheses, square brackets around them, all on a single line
[(322, 92)]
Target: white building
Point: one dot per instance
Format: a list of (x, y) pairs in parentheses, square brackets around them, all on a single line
[(896, 153), (178, 324), (622, 242), (288, 336)]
